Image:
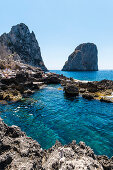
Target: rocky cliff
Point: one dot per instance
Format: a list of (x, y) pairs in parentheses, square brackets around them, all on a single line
[(17, 152), (84, 58), (20, 44)]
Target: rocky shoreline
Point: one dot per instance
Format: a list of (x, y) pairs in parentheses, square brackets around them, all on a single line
[(23, 80), (21, 74), (19, 152)]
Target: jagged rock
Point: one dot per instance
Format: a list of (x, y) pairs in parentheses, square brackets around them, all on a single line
[(84, 58), (105, 162), (17, 152), (105, 84), (20, 44), (71, 157)]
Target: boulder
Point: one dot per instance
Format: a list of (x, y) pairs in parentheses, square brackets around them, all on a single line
[(51, 79), (84, 58), (71, 89)]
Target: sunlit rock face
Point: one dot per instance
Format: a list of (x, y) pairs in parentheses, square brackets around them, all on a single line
[(20, 44), (84, 58)]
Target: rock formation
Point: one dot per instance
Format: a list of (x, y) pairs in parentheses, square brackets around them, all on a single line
[(20, 44), (84, 58), (17, 152), (71, 89)]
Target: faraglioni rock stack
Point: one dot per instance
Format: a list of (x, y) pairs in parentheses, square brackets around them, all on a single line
[(84, 58), (21, 45)]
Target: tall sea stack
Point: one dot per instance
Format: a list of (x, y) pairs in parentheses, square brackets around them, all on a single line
[(84, 58), (20, 44)]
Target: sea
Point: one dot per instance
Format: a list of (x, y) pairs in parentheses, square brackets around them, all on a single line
[(49, 115), (87, 75)]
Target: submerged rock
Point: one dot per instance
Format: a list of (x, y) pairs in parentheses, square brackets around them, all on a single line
[(84, 58), (21, 45)]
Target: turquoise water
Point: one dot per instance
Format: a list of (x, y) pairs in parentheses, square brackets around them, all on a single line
[(87, 75), (49, 115)]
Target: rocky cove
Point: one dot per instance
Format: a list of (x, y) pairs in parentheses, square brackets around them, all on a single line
[(22, 75), (19, 151), (25, 80)]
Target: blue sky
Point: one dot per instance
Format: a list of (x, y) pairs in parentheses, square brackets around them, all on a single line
[(61, 25)]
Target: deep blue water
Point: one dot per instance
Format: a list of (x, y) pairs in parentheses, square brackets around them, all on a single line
[(48, 115), (87, 75)]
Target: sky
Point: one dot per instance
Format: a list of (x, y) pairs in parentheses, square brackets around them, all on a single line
[(61, 25)]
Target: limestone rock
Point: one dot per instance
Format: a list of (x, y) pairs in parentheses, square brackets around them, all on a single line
[(84, 58), (20, 44), (71, 157), (17, 152)]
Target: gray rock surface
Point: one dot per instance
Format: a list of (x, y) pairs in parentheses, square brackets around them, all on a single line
[(20, 44), (84, 58), (19, 152)]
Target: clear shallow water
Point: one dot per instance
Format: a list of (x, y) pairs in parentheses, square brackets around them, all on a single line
[(87, 75), (49, 116)]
